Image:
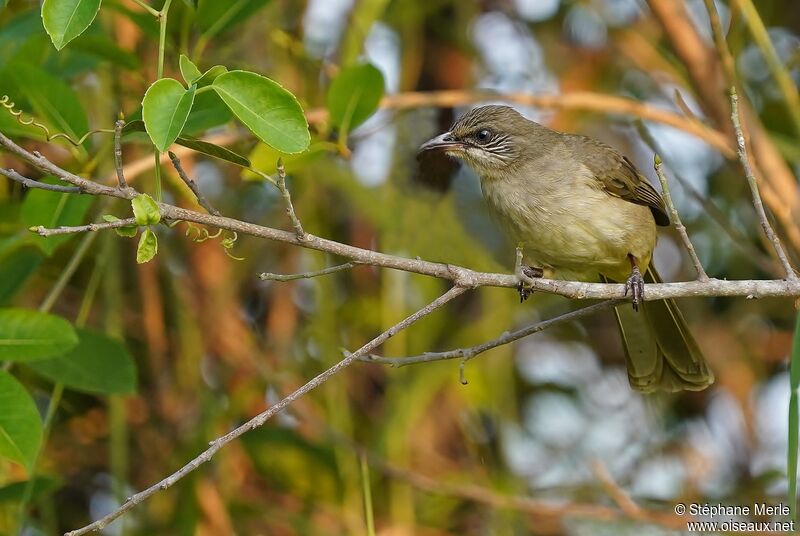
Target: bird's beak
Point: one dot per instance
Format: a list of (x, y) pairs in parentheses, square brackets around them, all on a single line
[(444, 142)]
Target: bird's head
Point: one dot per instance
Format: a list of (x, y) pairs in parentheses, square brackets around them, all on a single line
[(490, 139)]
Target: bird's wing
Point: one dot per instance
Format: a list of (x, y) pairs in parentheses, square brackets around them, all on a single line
[(619, 177)]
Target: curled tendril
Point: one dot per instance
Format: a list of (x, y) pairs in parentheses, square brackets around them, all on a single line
[(201, 234), (5, 102)]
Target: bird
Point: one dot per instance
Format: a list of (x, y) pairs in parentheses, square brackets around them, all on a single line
[(581, 211)]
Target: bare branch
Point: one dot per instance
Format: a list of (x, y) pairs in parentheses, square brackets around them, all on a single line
[(176, 163), (676, 221), (30, 183), (751, 181), (92, 227), (465, 354), (267, 276), (458, 274), (264, 416), (287, 199), (118, 153)]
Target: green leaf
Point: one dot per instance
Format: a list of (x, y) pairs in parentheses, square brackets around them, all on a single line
[(266, 108), (211, 149), (354, 95), (208, 111), (65, 20), (189, 70), (51, 100), (148, 247), (20, 423), (210, 75), (53, 209), (165, 107), (27, 335), (129, 231), (215, 16), (794, 420), (98, 364), (145, 210)]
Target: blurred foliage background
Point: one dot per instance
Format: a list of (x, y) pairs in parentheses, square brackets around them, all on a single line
[(551, 418)]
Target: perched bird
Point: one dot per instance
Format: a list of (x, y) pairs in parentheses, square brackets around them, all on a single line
[(581, 211)]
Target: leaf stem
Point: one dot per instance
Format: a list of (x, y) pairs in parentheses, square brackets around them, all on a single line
[(154, 12)]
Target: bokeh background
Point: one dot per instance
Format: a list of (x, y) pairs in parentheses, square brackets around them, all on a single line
[(546, 434)]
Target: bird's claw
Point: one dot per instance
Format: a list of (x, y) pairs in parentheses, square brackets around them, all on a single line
[(635, 286), (523, 290)]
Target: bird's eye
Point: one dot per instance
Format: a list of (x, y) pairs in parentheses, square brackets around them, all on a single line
[(483, 135)]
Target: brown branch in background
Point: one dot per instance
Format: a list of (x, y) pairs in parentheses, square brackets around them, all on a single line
[(267, 276), (287, 200), (699, 59), (465, 354), (264, 416), (118, 126), (751, 181), (676, 221), (579, 100), (201, 199), (30, 183), (529, 505), (779, 186), (91, 227), (617, 494)]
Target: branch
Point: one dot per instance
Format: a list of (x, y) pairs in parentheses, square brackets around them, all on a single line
[(751, 180), (287, 199), (676, 221), (264, 416), (176, 163), (578, 100), (30, 183), (465, 354), (458, 274), (267, 276), (118, 153), (92, 227)]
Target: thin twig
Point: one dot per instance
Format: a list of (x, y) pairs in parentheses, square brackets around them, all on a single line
[(617, 494), (268, 276), (711, 210), (30, 183), (118, 153), (264, 416), (751, 180), (287, 199), (676, 221), (176, 163), (465, 354), (41, 230)]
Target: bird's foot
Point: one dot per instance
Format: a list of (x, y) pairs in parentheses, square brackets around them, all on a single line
[(635, 286), (524, 290)]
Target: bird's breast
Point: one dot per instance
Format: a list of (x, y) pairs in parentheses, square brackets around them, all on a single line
[(571, 226)]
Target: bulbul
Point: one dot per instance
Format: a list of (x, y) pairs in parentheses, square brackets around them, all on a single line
[(581, 211)]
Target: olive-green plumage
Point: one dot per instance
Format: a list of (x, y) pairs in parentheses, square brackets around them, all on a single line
[(581, 211)]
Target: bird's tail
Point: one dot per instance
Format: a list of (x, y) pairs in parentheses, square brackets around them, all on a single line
[(660, 351)]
